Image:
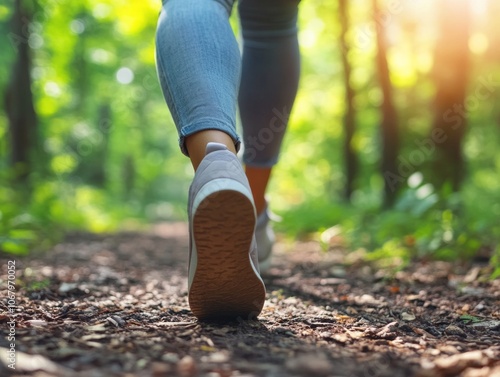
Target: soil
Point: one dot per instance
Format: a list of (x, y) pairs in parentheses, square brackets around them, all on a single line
[(116, 305)]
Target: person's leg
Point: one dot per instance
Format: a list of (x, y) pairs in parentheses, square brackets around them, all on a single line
[(199, 66), (258, 179), (198, 63), (270, 76)]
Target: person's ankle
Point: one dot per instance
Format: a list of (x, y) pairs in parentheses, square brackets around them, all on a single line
[(196, 144), (260, 206)]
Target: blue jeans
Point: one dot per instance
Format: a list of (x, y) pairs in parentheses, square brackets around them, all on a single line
[(204, 77)]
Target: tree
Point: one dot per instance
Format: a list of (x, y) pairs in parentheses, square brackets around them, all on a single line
[(389, 123), (94, 150), (350, 159), (19, 107), (451, 70)]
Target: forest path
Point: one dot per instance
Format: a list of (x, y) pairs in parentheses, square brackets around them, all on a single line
[(116, 305)]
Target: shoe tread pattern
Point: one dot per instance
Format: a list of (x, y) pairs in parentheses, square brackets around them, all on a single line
[(225, 285)]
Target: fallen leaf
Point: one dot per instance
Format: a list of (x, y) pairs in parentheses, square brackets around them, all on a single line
[(37, 322), (356, 334), (422, 332), (332, 281), (413, 297), (218, 357), (116, 321), (394, 289), (341, 338), (350, 310), (169, 324), (472, 275), (94, 337), (455, 330), (367, 300), (66, 287), (490, 325), (469, 318), (388, 331), (206, 348), (472, 291), (408, 316), (97, 328)]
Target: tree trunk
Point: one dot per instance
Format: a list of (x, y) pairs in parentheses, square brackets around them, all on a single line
[(100, 176), (81, 77), (389, 124), (350, 158), (19, 107), (128, 175), (94, 150), (451, 75)]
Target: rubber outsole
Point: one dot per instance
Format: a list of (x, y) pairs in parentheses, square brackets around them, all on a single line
[(225, 285)]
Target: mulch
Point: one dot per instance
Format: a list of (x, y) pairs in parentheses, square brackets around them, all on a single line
[(116, 305)]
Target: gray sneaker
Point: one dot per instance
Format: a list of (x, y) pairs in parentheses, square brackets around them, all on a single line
[(265, 238), (224, 279)]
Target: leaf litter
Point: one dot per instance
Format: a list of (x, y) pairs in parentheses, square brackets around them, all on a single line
[(116, 305)]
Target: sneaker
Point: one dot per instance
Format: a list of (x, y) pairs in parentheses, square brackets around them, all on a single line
[(224, 278), (265, 238)]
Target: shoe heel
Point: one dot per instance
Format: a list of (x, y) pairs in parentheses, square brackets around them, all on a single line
[(225, 283)]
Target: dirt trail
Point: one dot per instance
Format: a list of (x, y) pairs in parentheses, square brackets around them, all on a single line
[(116, 305)]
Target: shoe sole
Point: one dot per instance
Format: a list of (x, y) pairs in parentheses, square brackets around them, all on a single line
[(225, 284)]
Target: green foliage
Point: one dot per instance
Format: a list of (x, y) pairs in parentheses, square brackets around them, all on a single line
[(470, 319), (38, 285), (37, 220), (495, 263), (420, 226)]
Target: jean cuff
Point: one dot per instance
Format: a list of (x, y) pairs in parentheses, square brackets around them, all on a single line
[(207, 124), (260, 165)]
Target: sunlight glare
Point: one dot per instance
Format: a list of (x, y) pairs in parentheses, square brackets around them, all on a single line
[(479, 6), (52, 89), (424, 191), (124, 75), (478, 43), (309, 36), (77, 26), (415, 179), (101, 11)]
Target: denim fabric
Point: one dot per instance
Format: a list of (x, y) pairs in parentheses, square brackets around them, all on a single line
[(200, 70)]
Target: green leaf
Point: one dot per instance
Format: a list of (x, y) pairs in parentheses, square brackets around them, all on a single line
[(470, 318)]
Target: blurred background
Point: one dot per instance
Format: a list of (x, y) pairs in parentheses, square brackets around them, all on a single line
[(392, 148)]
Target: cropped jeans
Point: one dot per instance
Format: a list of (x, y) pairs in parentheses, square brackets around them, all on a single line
[(204, 77)]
